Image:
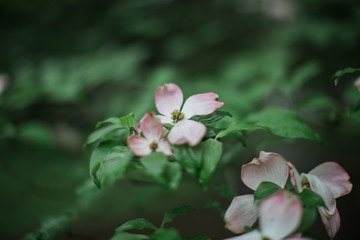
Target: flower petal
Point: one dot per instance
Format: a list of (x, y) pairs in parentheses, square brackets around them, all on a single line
[(331, 222), (322, 189), (242, 212), (138, 145), (151, 127), (253, 235), (164, 147), (187, 131), (164, 119), (357, 83), (280, 215), (335, 177), (269, 167), (168, 98), (201, 104), (295, 178)]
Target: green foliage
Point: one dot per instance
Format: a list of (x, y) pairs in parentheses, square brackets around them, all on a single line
[(201, 160), (311, 199), (308, 219), (340, 73), (165, 234), (211, 118), (139, 223), (283, 123), (211, 203), (108, 163), (169, 216), (128, 236), (225, 191), (265, 189), (197, 237)]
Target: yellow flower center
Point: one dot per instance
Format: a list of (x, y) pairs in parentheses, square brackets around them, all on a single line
[(305, 183), (176, 116), (153, 146)]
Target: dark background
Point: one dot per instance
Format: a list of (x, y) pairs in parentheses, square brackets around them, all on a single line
[(65, 65)]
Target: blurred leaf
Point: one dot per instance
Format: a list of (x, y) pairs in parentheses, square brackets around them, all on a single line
[(249, 229), (173, 175), (342, 72), (301, 75), (283, 123), (321, 105), (166, 234), (311, 199), (169, 216), (265, 189), (309, 217), (108, 162), (154, 165), (211, 118), (139, 223), (211, 203), (128, 236), (113, 120), (36, 133), (225, 191)]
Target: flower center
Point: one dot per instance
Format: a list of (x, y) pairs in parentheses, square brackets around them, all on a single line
[(153, 146), (176, 116), (305, 183)]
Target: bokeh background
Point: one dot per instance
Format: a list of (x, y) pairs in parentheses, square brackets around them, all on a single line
[(67, 64)]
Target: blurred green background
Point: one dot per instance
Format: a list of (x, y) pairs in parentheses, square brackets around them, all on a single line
[(67, 64)]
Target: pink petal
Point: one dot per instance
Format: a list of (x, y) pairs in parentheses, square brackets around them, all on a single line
[(201, 104), (335, 177), (164, 147), (253, 235), (187, 131), (151, 127), (331, 222), (270, 167), (164, 119), (295, 178), (280, 215), (242, 212), (138, 145), (357, 83), (168, 98), (322, 189)]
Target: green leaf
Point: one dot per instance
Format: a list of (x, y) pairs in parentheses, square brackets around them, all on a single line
[(225, 191), (108, 162), (249, 229), (265, 189), (240, 126), (139, 223), (154, 165), (128, 236), (102, 132), (283, 123), (197, 237), (342, 72), (211, 155), (173, 173), (211, 118), (169, 216), (211, 203), (128, 121), (309, 217), (113, 120), (201, 160), (311, 199), (166, 234)]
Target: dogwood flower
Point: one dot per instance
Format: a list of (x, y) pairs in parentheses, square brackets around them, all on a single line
[(152, 130), (357, 83), (330, 181), (280, 216), (243, 211), (169, 98)]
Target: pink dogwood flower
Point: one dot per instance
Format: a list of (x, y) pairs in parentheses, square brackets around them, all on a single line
[(243, 211), (357, 83), (152, 130), (330, 181), (169, 99), (279, 216)]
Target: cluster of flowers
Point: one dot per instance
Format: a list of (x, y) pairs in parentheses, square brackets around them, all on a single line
[(281, 214), (149, 133)]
